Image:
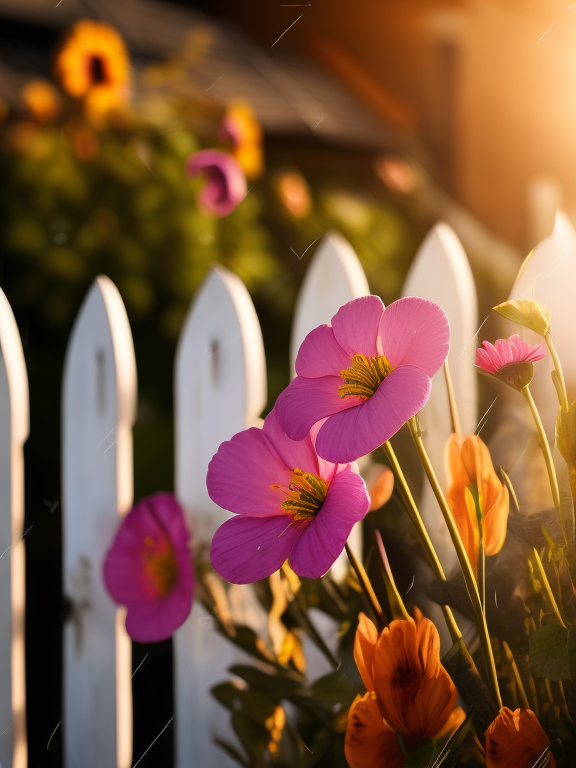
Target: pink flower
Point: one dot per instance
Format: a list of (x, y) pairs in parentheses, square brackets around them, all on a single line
[(225, 184), (510, 360), (369, 372), (289, 503), (148, 568)]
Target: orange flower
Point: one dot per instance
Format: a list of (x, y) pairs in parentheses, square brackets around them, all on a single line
[(473, 480), (241, 129), (94, 65), (409, 692), (41, 100), (516, 739)]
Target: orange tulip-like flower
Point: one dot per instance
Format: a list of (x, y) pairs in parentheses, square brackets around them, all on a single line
[(94, 65), (516, 740), (409, 692), (478, 500)]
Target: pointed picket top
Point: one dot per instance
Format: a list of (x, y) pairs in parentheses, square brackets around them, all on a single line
[(14, 428), (549, 276), (441, 272), (220, 389), (98, 412), (334, 277)]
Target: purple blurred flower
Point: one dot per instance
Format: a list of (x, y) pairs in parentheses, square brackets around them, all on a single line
[(369, 372), (148, 568), (225, 184), (289, 503)]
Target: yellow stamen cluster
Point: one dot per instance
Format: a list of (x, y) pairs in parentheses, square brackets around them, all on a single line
[(307, 494), (160, 566), (364, 376)]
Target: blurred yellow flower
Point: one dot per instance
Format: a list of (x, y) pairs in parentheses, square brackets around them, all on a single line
[(93, 64), (240, 129), (41, 100), (294, 194)]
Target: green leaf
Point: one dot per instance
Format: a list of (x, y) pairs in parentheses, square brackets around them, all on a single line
[(334, 688), (226, 694), (232, 752), (276, 683), (549, 657), (421, 757)]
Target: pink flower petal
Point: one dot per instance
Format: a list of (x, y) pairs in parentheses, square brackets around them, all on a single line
[(323, 540), (292, 453), (355, 325), (241, 473), (225, 184), (492, 357), (355, 432), (306, 401), (246, 549), (415, 331), (321, 355), (156, 620)]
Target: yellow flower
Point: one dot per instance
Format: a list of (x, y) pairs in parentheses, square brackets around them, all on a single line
[(240, 129), (41, 100), (93, 64), (476, 497)]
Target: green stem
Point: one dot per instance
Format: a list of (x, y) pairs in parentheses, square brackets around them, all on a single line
[(545, 446), (456, 427), (366, 586), (547, 587), (465, 566), (425, 541), (563, 394)]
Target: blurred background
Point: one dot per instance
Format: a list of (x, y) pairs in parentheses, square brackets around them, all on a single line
[(374, 118)]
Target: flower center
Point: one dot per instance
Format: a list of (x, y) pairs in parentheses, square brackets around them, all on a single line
[(307, 494), (403, 676), (96, 68), (364, 376), (160, 567)]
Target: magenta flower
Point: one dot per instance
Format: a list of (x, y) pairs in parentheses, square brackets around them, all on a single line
[(289, 503), (510, 360), (148, 568), (369, 372), (225, 184)]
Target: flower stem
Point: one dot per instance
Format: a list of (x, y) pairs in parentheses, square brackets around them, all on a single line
[(523, 699), (456, 426), (563, 394), (547, 587), (425, 541), (545, 446), (366, 587), (465, 566)]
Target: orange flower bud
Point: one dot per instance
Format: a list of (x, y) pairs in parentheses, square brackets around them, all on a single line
[(516, 739)]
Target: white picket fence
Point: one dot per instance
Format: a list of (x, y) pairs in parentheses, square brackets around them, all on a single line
[(220, 388)]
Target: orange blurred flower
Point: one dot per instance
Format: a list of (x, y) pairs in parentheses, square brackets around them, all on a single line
[(516, 739), (93, 64), (41, 100), (240, 129), (409, 692), (476, 496), (294, 194)]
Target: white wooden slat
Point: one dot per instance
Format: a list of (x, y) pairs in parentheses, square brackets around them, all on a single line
[(14, 428), (334, 277), (441, 273), (220, 389), (549, 276), (98, 412)]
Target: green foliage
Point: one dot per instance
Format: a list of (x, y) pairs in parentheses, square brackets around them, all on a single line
[(553, 652)]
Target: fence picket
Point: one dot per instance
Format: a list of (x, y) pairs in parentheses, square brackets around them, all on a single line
[(549, 276), (98, 412), (14, 428), (441, 273), (334, 277), (220, 389)]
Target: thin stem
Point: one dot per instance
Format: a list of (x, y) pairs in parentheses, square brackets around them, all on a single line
[(456, 426), (467, 572), (524, 703), (394, 598), (563, 394), (366, 586), (547, 588), (425, 541), (545, 446)]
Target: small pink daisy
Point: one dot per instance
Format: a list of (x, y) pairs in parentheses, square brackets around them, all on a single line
[(510, 360), (368, 372), (148, 568), (288, 504), (225, 184)]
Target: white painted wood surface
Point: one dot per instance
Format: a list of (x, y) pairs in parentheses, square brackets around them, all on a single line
[(98, 412), (220, 389), (14, 427), (334, 277), (549, 276), (441, 272)]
